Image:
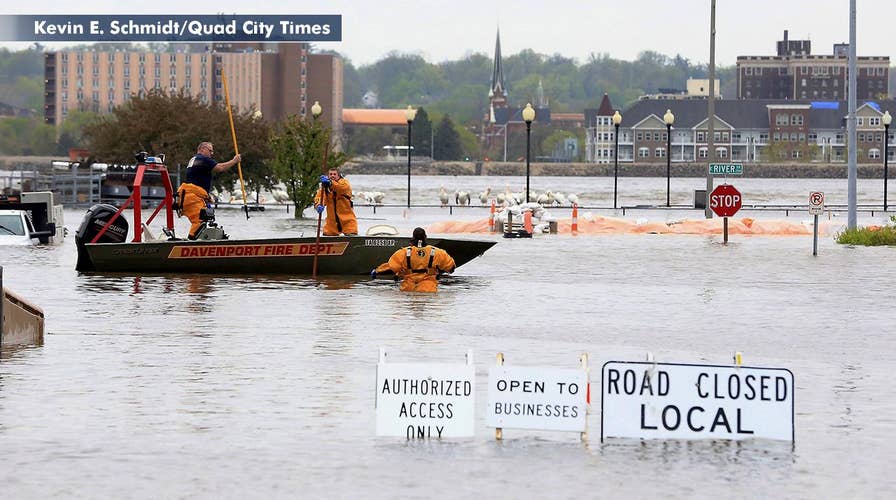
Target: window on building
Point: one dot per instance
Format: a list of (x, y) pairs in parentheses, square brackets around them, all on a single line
[(157, 57), (793, 137), (763, 137), (722, 152), (639, 136), (703, 152), (725, 136), (781, 119), (860, 137), (873, 153), (701, 136), (127, 84), (64, 96), (717, 136), (782, 155), (777, 136), (813, 138), (660, 152), (796, 154), (838, 138), (874, 121), (860, 121), (643, 152), (802, 137), (748, 71)]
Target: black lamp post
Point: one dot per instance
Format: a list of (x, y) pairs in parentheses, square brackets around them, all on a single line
[(409, 113), (617, 119), (528, 116), (669, 118), (886, 119)]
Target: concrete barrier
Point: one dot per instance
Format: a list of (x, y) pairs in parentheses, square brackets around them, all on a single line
[(20, 321)]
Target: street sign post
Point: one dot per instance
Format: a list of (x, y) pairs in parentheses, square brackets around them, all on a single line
[(725, 200), (726, 168), (816, 207)]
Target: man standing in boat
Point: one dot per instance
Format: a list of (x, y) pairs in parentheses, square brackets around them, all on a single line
[(418, 264), (336, 194), (193, 193)]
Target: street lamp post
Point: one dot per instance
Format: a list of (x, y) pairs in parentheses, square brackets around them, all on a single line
[(617, 119), (669, 118), (886, 119), (528, 116), (409, 113)]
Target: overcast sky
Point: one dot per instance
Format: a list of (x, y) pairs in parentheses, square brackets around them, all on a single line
[(451, 29)]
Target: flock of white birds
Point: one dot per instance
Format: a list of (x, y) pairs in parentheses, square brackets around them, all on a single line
[(509, 198), (460, 197)]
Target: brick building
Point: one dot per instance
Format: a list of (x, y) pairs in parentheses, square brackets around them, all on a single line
[(277, 79), (795, 73)]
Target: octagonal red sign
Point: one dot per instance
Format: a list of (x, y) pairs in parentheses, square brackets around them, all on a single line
[(725, 200)]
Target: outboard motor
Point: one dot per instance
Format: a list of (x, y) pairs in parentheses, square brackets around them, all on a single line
[(209, 230), (94, 221)]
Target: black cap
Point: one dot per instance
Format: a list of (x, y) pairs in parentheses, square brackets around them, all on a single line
[(419, 236)]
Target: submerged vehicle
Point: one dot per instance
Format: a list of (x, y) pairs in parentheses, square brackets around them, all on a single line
[(102, 244), (30, 219)]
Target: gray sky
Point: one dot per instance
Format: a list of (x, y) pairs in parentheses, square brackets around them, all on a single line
[(451, 29)]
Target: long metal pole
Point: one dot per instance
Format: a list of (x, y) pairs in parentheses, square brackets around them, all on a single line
[(851, 221), (886, 146), (409, 163), (710, 154), (528, 133), (615, 163), (668, 160)]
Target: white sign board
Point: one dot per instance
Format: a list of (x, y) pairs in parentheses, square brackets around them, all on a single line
[(816, 203), (425, 400), (678, 401), (523, 397)]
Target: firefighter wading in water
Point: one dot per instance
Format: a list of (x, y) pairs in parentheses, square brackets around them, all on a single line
[(418, 264), (193, 193), (336, 195)]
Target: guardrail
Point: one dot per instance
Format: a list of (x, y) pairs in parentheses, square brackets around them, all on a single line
[(785, 208)]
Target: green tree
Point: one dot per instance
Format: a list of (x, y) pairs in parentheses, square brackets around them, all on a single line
[(174, 124), (301, 152), (422, 134), (447, 141)]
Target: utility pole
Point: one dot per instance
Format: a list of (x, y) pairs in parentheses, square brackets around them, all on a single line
[(710, 139), (851, 220)]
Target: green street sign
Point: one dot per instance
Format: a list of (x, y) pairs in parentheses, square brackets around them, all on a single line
[(726, 168)]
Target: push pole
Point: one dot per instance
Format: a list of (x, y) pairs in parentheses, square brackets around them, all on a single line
[(236, 149)]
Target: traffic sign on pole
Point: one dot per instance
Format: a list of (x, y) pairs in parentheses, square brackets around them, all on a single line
[(816, 203), (725, 200), (726, 168)]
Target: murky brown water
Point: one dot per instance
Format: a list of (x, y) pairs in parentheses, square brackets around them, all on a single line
[(234, 387)]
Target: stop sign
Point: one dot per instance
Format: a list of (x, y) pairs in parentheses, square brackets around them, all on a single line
[(725, 200)]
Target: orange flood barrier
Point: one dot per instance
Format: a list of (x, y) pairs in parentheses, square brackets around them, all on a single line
[(614, 225), (575, 218)]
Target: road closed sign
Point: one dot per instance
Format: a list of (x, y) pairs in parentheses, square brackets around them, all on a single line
[(425, 400), (644, 400), (537, 398)]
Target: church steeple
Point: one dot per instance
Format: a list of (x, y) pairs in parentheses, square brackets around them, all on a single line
[(498, 92)]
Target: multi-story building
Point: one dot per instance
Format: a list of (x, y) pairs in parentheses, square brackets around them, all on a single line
[(794, 73), (277, 79), (746, 130)]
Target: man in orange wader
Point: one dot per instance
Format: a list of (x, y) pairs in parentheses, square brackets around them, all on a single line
[(418, 264), (336, 194), (193, 193)]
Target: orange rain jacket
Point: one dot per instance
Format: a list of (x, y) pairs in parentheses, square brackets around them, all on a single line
[(192, 200), (340, 214), (418, 267)]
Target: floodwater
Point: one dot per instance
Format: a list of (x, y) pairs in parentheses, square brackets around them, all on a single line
[(263, 386)]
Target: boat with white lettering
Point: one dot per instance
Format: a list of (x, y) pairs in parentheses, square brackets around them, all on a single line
[(102, 246)]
